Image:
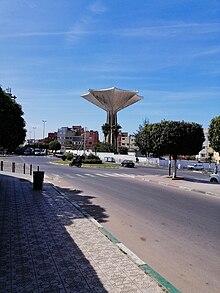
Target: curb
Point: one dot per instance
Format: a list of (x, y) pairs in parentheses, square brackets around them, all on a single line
[(166, 285), (182, 187)]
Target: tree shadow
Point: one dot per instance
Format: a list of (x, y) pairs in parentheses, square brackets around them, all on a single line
[(196, 180), (85, 202), (45, 243)]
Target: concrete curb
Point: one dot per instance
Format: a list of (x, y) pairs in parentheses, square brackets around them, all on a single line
[(166, 285), (182, 187)]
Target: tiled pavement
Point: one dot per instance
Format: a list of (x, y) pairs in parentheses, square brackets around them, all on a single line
[(47, 245)]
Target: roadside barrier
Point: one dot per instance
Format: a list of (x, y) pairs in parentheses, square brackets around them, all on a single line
[(17, 167)]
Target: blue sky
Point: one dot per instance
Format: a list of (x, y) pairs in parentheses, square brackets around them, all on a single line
[(51, 52)]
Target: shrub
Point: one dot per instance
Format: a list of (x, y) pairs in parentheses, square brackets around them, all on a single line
[(91, 159), (69, 156)]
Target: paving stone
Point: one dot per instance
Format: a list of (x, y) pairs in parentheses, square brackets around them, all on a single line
[(47, 245)]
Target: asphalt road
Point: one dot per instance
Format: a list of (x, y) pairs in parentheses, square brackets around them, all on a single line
[(175, 232)]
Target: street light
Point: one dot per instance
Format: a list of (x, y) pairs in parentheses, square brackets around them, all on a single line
[(44, 121), (34, 134)]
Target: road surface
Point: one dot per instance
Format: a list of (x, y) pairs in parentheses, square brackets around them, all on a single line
[(175, 232)]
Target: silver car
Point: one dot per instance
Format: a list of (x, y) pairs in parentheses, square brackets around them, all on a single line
[(214, 178), (198, 167)]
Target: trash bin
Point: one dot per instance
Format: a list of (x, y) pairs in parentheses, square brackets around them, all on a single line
[(38, 178)]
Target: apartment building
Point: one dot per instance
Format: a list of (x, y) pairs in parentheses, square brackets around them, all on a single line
[(127, 140), (76, 137)]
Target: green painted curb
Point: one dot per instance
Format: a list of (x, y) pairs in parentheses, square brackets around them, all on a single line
[(200, 191), (109, 235), (148, 270)]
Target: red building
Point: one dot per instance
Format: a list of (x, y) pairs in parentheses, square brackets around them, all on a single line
[(90, 138), (51, 136)]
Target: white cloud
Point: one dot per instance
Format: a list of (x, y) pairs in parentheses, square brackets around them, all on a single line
[(97, 7), (170, 30)]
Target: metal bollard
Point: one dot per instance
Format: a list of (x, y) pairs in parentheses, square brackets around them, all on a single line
[(13, 167), (1, 165), (24, 168), (31, 169)]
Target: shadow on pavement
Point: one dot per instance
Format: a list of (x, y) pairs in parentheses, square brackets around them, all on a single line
[(39, 232), (85, 202), (197, 180)]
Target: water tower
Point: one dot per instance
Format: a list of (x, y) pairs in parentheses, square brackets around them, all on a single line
[(112, 100)]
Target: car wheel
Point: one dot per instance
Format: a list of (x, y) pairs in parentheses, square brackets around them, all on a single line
[(213, 180)]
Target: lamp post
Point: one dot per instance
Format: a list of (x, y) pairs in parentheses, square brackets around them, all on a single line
[(34, 134), (44, 121), (29, 137)]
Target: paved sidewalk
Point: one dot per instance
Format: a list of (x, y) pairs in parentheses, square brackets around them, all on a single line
[(188, 184), (48, 245)]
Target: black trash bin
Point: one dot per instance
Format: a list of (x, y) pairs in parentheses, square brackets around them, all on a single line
[(38, 178)]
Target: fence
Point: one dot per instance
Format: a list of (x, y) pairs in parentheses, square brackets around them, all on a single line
[(17, 167)]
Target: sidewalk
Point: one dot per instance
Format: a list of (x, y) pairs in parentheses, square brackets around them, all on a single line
[(200, 186), (48, 245)]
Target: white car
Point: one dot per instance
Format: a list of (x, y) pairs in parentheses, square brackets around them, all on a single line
[(197, 167), (215, 178)]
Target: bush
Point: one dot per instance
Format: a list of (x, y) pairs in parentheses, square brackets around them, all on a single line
[(91, 159), (69, 156), (123, 150)]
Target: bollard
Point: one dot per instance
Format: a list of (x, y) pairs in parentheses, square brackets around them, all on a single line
[(30, 169), (13, 167), (1, 165), (38, 178), (24, 168)]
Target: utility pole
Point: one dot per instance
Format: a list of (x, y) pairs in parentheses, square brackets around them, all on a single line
[(34, 134), (44, 121)]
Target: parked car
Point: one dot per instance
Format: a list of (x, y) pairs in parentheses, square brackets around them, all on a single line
[(109, 159), (127, 163), (39, 152), (214, 178), (28, 151), (197, 167)]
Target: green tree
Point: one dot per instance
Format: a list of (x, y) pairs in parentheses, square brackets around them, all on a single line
[(104, 147), (42, 145), (106, 128), (123, 150), (214, 134), (175, 138), (143, 138), (12, 124), (54, 145)]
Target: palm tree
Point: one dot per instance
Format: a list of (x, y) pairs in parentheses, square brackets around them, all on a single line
[(115, 132), (106, 129)]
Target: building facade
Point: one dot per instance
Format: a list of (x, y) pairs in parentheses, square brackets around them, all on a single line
[(127, 140), (90, 138), (76, 137)]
